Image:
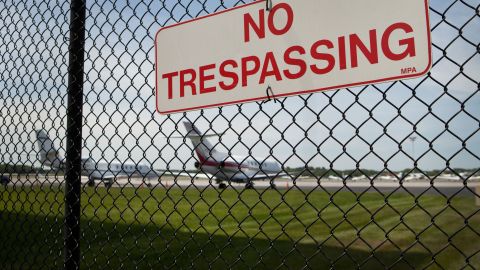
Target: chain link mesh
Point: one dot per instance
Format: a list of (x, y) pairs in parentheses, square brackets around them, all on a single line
[(381, 176)]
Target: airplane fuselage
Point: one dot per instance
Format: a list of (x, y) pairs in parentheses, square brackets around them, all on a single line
[(237, 168), (108, 170)]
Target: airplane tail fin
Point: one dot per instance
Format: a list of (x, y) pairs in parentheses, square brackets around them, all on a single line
[(202, 146), (48, 153)]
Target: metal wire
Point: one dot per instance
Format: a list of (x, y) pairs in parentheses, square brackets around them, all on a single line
[(381, 176)]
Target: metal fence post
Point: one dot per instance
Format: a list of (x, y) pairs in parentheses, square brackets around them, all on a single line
[(74, 135)]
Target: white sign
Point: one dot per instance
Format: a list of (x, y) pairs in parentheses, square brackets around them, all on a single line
[(297, 47)]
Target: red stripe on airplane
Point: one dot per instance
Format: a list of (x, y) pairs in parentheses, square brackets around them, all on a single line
[(204, 161)]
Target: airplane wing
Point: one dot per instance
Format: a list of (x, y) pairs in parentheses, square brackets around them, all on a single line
[(160, 173), (196, 175), (261, 176), (111, 176), (102, 174)]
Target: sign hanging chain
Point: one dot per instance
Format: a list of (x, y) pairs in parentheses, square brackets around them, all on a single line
[(270, 95), (269, 5)]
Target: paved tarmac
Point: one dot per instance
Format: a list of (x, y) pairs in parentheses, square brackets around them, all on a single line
[(415, 187)]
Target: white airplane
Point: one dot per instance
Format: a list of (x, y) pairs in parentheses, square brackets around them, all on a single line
[(347, 178), (414, 177), (386, 177), (448, 177), (358, 178), (102, 170), (335, 178), (227, 168)]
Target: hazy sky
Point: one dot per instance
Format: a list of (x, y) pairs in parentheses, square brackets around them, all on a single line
[(318, 129)]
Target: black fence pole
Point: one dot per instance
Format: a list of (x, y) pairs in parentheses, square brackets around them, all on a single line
[(74, 135)]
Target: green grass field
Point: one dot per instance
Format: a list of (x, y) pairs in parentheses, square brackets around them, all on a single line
[(264, 229)]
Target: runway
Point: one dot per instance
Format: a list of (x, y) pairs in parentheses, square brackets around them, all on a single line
[(415, 187), (446, 188)]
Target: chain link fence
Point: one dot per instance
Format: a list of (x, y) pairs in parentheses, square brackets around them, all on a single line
[(380, 176)]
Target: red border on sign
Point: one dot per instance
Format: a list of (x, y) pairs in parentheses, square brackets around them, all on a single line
[(413, 75)]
